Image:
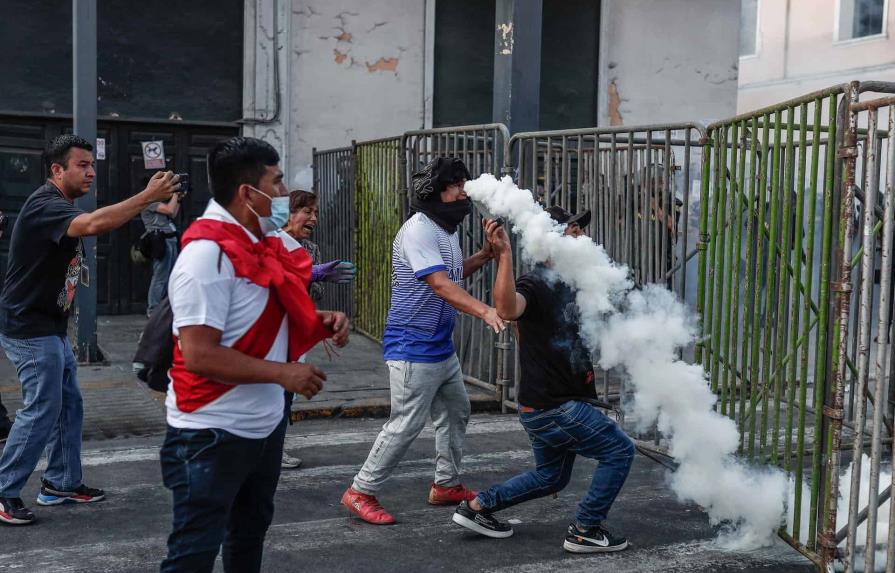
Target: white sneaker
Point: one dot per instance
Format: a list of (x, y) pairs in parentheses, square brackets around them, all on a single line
[(290, 463)]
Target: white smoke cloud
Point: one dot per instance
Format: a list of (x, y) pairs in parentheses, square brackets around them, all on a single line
[(641, 332)]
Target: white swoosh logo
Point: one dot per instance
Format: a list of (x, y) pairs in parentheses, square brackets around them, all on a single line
[(602, 542)]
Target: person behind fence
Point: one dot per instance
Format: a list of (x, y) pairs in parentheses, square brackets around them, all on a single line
[(557, 379), (45, 266), (424, 372), (158, 220), (241, 319), (303, 208)]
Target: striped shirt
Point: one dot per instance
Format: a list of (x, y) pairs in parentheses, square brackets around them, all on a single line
[(420, 324)]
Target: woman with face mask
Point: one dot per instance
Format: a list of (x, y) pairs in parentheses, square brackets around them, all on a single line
[(302, 221)]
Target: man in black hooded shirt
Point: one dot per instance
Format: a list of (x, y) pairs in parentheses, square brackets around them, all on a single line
[(557, 379)]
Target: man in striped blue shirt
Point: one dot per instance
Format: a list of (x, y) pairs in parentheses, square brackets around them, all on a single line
[(425, 377)]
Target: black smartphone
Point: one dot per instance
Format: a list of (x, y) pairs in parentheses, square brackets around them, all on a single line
[(184, 183)]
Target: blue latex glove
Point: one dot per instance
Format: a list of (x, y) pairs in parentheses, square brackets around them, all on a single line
[(340, 272)]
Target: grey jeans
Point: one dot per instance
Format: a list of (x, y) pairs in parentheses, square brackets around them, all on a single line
[(420, 390)]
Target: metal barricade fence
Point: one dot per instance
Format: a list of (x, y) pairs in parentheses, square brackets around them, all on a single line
[(334, 187), (861, 397), (379, 214), (767, 228), (483, 149), (636, 182)]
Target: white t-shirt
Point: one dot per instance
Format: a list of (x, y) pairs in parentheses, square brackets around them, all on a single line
[(204, 292)]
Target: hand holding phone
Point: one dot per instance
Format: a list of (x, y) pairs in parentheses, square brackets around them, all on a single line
[(184, 184)]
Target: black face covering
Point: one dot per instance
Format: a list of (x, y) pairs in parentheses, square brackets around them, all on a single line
[(448, 216)]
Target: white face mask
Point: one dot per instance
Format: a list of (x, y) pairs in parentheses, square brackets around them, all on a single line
[(279, 212)]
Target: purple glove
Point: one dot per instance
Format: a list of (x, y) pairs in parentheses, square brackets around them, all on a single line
[(333, 272)]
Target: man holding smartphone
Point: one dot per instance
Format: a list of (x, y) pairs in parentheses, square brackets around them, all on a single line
[(44, 268), (158, 219)]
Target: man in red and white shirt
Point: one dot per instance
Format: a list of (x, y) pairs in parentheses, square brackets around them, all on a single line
[(242, 317)]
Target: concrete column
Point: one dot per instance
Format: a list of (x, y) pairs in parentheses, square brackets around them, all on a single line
[(84, 88), (517, 64)]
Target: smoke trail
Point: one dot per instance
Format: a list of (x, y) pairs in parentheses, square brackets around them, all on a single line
[(641, 331)]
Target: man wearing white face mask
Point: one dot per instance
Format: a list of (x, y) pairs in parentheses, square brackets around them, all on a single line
[(242, 317)]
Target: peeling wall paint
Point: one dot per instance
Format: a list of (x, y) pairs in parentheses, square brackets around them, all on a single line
[(614, 103), (359, 74), (383, 65), (506, 38), (669, 60)]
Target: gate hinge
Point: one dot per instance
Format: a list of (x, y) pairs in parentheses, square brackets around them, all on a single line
[(845, 152), (840, 286), (833, 413)]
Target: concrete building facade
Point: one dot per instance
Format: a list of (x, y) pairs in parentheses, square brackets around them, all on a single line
[(359, 70), (792, 47)]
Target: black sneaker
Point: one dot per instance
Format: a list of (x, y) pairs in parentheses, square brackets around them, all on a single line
[(481, 522), (14, 512), (592, 540), (51, 495)]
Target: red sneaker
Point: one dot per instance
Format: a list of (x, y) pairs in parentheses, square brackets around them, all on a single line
[(440, 495), (366, 507)]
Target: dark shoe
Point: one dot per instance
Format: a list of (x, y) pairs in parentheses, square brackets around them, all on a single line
[(51, 495), (4, 433), (592, 540), (481, 522), (14, 512)]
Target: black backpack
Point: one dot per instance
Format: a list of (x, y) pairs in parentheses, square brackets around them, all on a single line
[(155, 350)]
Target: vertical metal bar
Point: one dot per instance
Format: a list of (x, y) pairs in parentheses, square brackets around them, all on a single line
[(724, 361), (630, 189), (806, 346), (684, 235), (746, 382), (885, 287), (760, 268), (668, 220), (863, 355), (882, 334), (843, 250), (785, 183), (739, 169), (719, 242), (717, 167), (84, 100), (702, 245), (794, 316)]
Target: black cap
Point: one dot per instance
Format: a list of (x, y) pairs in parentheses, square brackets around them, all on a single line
[(563, 217), (437, 175)]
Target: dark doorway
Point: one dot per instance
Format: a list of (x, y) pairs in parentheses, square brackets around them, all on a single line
[(464, 63), (122, 285)]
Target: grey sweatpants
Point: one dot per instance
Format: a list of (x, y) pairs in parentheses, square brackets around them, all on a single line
[(420, 390)]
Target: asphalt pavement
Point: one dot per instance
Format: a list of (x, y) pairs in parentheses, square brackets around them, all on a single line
[(312, 532)]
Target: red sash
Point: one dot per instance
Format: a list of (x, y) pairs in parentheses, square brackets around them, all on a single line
[(268, 264)]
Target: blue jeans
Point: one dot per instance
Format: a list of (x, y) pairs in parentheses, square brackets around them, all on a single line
[(223, 488), (557, 436), (161, 270), (51, 418)]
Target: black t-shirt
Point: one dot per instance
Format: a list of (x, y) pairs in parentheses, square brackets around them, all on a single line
[(43, 269), (555, 364)]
